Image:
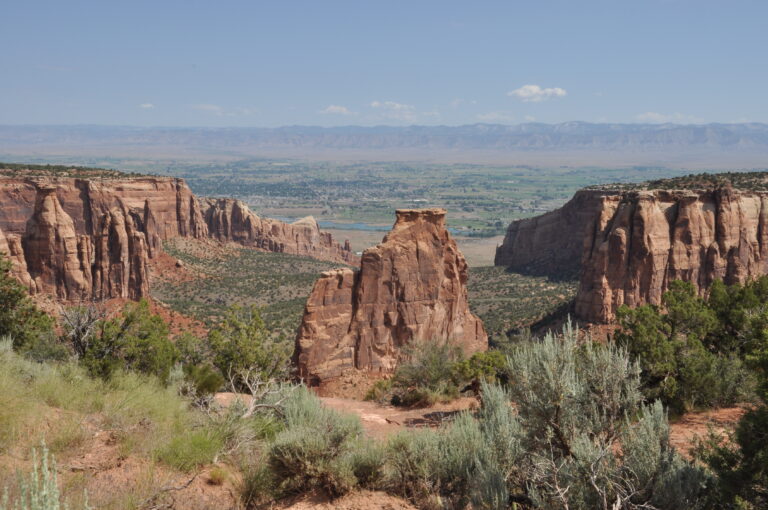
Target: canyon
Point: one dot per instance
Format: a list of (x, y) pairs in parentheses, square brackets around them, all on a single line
[(94, 238), (410, 288), (627, 245)]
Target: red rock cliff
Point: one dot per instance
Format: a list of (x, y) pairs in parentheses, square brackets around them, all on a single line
[(92, 238), (634, 243), (231, 220), (553, 242), (409, 288)]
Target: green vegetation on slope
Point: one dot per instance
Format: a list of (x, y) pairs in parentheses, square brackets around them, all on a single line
[(278, 283), (82, 172), (699, 352), (508, 301), (753, 181)]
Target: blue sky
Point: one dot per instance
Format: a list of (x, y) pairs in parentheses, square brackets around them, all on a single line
[(327, 62)]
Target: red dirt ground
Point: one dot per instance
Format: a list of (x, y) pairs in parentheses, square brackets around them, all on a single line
[(685, 431)]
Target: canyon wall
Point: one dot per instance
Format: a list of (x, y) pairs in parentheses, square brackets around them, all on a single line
[(231, 220), (77, 239), (553, 242), (410, 288), (634, 243)]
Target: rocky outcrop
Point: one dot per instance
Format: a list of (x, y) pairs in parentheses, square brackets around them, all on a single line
[(168, 203), (56, 267), (51, 258), (232, 220), (80, 239), (120, 257), (410, 288), (550, 244), (634, 243)]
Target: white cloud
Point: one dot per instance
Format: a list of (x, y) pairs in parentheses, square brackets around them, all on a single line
[(662, 118), (146, 106), (530, 118), (456, 102), (397, 111), (335, 109), (536, 94), (391, 105), (494, 117)]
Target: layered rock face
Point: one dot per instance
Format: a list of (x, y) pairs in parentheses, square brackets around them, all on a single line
[(104, 255), (80, 239), (232, 220), (552, 242), (635, 243), (410, 288)]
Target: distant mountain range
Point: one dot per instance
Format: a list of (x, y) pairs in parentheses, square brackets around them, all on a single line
[(531, 138)]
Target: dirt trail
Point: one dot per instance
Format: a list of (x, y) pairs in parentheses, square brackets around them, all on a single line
[(363, 500), (380, 421)]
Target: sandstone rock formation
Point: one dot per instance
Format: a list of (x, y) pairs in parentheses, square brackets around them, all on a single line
[(231, 220), (80, 239), (410, 288), (57, 267), (634, 243), (553, 242)]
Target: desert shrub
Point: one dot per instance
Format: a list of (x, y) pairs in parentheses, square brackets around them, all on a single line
[(557, 447), (426, 376), (40, 490), (740, 458), (316, 448), (241, 343), (136, 340), (193, 350), (574, 404), (257, 483), (444, 468), (192, 449), (412, 462), (79, 325), (367, 459), (436, 371), (380, 391), (489, 366), (45, 346), (20, 319), (692, 353), (204, 380)]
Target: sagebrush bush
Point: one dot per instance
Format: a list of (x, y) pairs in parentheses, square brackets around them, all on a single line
[(556, 448), (367, 459), (40, 489), (412, 463), (315, 449), (575, 403)]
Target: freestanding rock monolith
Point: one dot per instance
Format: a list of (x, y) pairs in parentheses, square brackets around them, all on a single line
[(410, 288)]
